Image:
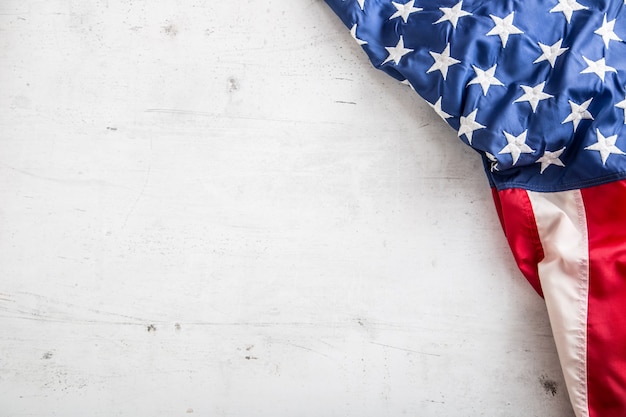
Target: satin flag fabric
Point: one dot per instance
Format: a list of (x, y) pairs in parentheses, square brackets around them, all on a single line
[(536, 87)]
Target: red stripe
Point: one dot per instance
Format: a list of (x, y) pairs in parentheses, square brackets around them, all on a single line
[(518, 222), (605, 207)]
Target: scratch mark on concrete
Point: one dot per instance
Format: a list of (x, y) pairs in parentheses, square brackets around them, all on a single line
[(141, 194), (87, 183), (261, 119), (5, 297), (131, 320), (309, 349), (405, 350), (179, 111)]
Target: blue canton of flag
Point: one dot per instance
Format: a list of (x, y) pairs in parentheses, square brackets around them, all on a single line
[(502, 76)]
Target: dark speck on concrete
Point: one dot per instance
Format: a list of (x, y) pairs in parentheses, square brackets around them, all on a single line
[(177, 327), (151, 328), (233, 84), (550, 386), (251, 357), (47, 355)]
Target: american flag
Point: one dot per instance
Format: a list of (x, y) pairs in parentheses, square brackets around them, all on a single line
[(537, 88)]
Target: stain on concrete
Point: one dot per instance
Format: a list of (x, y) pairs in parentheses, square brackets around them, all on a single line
[(233, 85), (170, 29), (550, 386)]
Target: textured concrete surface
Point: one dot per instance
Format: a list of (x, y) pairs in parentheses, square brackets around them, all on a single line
[(220, 209)]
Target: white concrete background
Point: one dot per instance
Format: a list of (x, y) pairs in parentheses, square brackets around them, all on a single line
[(221, 209)]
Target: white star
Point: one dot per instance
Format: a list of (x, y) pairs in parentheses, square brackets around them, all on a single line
[(404, 10), (361, 4), (551, 53), (533, 95), (443, 61), (579, 112), (485, 78), (353, 33), (551, 158), (438, 110), (606, 146), (504, 27), (516, 145), (469, 125), (567, 7), (598, 67), (622, 104), (607, 32), (396, 52), (452, 14)]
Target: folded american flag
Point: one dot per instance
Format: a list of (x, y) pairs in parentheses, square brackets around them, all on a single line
[(536, 87)]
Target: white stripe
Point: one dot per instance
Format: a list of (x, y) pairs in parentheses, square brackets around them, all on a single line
[(564, 276)]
